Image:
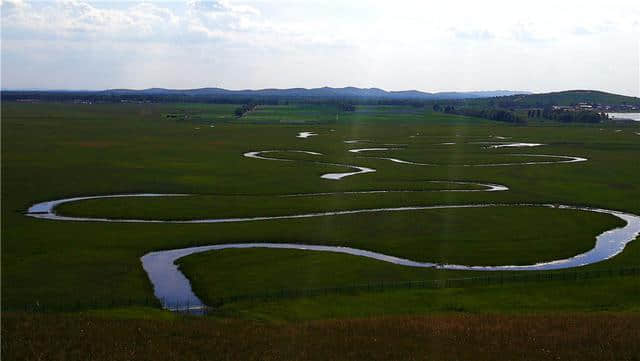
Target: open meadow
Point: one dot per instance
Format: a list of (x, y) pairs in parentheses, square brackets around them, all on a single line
[(255, 180)]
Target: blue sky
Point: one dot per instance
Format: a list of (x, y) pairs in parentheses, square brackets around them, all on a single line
[(395, 45)]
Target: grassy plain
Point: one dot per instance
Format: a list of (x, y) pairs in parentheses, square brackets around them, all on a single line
[(52, 151)]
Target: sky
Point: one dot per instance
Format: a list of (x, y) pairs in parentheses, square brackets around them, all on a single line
[(431, 46)]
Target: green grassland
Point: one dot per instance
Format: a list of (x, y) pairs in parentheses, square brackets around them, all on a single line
[(610, 295), (52, 151)]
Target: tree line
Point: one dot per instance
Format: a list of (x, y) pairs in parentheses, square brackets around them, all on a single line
[(567, 116), (106, 97), (243, 109), (499, 115), (510, 116)]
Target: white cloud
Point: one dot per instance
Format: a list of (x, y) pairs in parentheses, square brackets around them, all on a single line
[(216, 19), (77, 19), (220, 6), (9, 5), (473, 34), (263, 43)]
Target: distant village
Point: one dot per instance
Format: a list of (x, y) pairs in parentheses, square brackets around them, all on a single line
[(598, 107)]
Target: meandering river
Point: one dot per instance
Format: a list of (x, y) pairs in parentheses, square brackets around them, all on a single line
[(174, 289)]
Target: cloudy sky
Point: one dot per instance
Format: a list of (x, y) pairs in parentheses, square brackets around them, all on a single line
[(395, 45)]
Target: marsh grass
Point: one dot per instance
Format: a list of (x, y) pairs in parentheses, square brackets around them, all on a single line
[(604, 336)]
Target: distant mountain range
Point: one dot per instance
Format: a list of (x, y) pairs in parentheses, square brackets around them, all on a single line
[(324, 92)]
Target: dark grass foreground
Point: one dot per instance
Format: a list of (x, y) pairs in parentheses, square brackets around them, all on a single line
[(601, 336)]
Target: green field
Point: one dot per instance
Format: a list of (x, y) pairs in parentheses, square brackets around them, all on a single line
[(53, 151)]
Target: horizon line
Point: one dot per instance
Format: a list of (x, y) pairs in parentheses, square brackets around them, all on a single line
[(516, 92)]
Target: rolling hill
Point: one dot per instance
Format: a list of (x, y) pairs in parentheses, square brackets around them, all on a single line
[(569, 97)]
